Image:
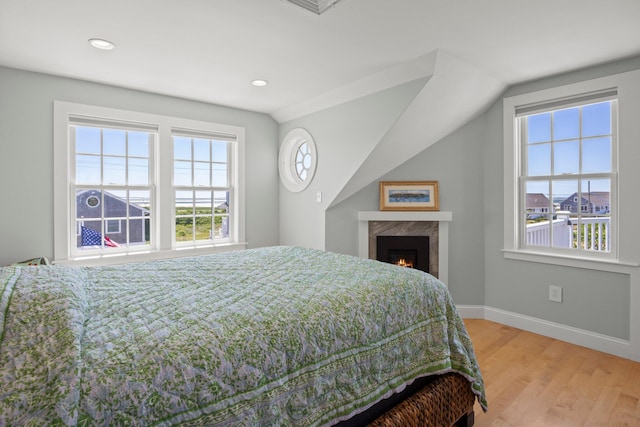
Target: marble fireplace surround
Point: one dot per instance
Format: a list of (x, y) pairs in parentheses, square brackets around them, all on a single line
[(393, 223)]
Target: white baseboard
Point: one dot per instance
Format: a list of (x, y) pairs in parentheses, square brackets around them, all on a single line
[(581, 337)]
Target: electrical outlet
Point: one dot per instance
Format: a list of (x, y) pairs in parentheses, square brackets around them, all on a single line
[(555, 293)]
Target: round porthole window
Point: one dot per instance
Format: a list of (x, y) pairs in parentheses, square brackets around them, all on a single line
[(297, 160), (93, 201)]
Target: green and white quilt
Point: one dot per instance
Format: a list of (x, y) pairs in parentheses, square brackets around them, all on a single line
[(274, 336)]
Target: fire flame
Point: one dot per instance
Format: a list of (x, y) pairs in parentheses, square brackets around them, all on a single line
[(403, 263)]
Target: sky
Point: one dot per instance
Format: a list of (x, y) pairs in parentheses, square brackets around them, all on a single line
[(123, 158), (566, 142)]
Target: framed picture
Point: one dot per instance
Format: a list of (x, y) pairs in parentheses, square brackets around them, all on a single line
[(409, 196)]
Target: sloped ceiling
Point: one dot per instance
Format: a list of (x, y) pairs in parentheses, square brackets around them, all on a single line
[(454, 94)]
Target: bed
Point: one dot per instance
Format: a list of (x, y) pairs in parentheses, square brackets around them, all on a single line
[(270, 336)]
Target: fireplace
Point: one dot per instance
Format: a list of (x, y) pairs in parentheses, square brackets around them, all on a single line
[(406, 251), (435, 225)]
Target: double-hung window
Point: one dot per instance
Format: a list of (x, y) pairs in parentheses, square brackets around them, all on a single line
[(202, 187), (565, 171), (113, 184), (130, 183)]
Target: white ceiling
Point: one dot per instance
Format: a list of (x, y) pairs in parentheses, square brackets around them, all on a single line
[(210, 50)]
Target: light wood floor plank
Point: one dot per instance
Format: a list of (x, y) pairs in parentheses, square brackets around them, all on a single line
[(533, 380)]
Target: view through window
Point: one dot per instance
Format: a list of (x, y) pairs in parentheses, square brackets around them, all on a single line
[(567, 181)]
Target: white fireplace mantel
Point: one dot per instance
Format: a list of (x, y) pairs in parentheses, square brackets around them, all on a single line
[(443, 219)]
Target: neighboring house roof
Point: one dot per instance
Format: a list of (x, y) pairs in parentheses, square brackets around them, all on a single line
[(537, 200), (598, 198)]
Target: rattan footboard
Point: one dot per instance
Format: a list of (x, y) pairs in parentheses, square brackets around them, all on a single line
[(446, 401)]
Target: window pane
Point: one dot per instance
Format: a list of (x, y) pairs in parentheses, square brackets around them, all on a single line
[(306, 162), (203, 203), (182, 173), (596, 195), (114, 170), (115, 142), (563, 194), (537, 213), (139, 144), (221, 219), (90, 235), (221, 227), (219, 151), (595, 223), (138, 171), (564, 198), (203, 215), (221, 202), (566, 157), (596, 155), (139, 203), (566, 124), (201, 174), (539, 160), (181, 148), (302, 150), (184, 229), (596, 119), (88, 204), (539, 128), (87, 140), (139, 232), (184, 203), (201, 150), (220, 177), (88, 170)]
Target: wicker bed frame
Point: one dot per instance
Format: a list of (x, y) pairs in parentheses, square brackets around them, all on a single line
[(446, 401), (442, 400)]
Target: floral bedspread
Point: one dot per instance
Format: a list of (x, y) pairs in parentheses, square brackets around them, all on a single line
[(271, 336)]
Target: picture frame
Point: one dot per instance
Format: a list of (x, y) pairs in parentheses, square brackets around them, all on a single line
[(409, 196)]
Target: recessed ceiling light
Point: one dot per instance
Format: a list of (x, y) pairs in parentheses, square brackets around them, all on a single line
[(259, 82), (102, 44)]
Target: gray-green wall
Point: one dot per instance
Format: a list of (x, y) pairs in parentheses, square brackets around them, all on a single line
[(469, 167), (26, 155)]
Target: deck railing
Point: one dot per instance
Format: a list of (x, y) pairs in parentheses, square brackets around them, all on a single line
[(593, 232)]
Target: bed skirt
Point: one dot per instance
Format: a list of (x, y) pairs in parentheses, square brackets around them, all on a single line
[(446, 401)]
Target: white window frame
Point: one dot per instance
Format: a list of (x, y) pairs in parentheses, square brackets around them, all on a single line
[(163, 204), (512, 249), (289, 148), (211, 187)]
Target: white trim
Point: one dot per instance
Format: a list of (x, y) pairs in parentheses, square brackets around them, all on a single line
[(600, 264), (405, 216), (471, 311), (625, 84), (123, 258), (287, 159), (442, 217), (581, 337)]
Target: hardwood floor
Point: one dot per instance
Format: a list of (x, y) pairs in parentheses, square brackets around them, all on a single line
[(533, 380)]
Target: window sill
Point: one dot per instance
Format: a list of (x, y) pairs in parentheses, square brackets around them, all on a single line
[(123, 258), (613, 266)]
